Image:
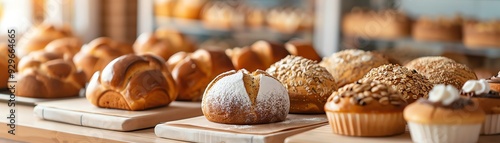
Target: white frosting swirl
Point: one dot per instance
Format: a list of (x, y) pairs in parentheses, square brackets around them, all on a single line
[(445, 94), (476, 86)]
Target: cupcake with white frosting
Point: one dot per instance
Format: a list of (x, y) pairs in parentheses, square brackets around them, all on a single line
[(445, 117), (489, 102)]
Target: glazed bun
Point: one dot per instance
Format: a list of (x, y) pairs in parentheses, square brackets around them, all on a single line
[(193, 71), (442, 70), (132, 82), (163, 43), (47, 75), (38, 37), (309, 85), (240, 97), (95, 55), (68, 46)]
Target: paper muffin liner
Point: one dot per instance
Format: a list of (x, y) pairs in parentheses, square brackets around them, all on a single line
[(431, 133), (491, 124), (367, 124)]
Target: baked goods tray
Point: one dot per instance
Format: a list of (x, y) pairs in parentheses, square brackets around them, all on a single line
[(5, 97), (199, 129), (81, 112), (324, 133)]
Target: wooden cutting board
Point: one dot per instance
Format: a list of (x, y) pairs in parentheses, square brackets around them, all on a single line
[(82, 112), (199, 129), (324, 133), (5, 97)]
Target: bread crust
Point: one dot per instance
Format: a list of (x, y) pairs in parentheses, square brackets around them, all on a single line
[(132, 82), (245, 98)]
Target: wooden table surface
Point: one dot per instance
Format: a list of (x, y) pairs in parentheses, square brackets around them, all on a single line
[(32, 129), (325, 134)]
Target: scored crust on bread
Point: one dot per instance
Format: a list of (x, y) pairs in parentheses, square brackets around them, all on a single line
[(192, 72), (132, 82), (240, 97), (95, 55), (47, 75)]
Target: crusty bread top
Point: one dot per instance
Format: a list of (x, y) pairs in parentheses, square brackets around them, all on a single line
[(442, 70), (409, 83), (303, 76)]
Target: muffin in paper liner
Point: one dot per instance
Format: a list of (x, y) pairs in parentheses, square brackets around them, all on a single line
[(435, 133), (366, 124)]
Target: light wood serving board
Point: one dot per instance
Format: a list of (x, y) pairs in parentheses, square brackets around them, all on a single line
[(325, 134), (82, 112), (199, 129), (5, 97)]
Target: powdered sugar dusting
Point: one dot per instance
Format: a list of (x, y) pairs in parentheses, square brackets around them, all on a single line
[(227, 93), (272, 99)]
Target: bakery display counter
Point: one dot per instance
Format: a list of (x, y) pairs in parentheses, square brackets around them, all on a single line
[(32, 129), (324, 133)]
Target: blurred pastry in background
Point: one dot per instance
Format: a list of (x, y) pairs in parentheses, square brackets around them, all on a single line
[(350, 65), (6, 54), (302, 48), (286, 20), (456, 56), (307, 20), (216, 44), (483, 73), (39, 36), (385, 24), (220, 15), (255, 17), (440, 29), (164, 8), (163, 42), (260, 55), (95, 55), (132, 82), (188, 9), (442, 70), (45, 74), (68, 46), (192, 72), (482, 34)]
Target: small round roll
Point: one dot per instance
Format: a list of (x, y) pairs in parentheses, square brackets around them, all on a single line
[(309, 85), (240, 97)]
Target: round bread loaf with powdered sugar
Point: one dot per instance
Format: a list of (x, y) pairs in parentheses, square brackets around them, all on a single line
[(240, 97)]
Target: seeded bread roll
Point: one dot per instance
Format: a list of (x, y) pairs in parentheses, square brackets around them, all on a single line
[(302, 48), (95, 55), (47, 75), (442, 29), (308, 84), (67, 46), (442, 70), (193, 71), (409, 83), (132, 82), (351, 65), (38, 37), (373, 105), (240, 97)]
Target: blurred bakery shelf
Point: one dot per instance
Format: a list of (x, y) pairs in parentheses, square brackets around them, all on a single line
[(437, 47), (198, 28)]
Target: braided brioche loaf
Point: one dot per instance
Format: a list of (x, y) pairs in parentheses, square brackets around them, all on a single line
[(47, 75), (132, 82)]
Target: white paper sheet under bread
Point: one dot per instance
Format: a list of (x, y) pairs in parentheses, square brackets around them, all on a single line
[(81, 112)]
